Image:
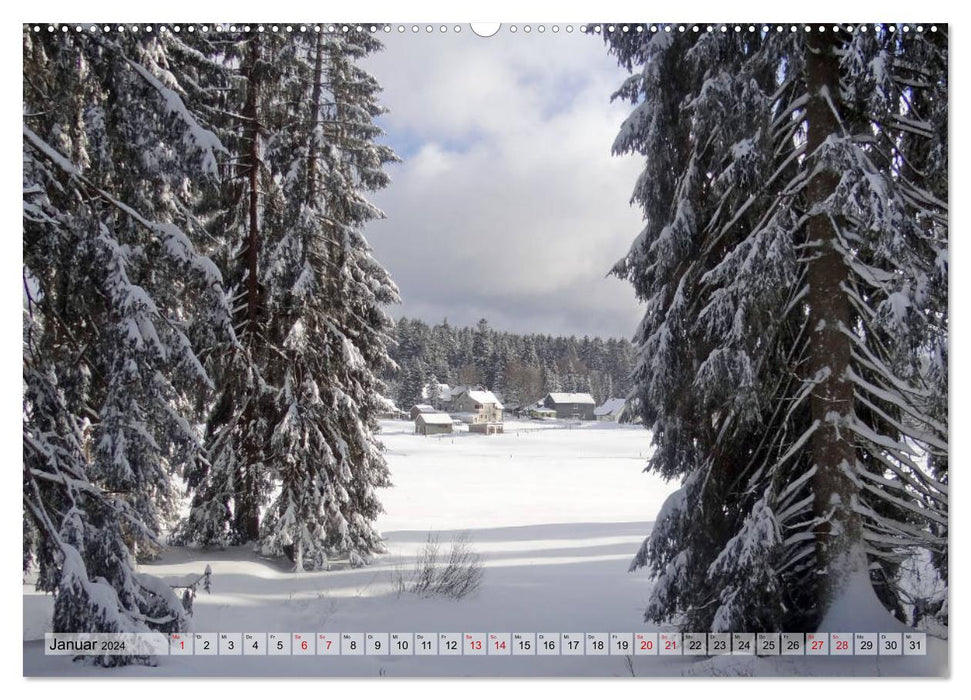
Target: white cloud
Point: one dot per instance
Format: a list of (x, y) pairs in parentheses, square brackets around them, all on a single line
[(509, 205)]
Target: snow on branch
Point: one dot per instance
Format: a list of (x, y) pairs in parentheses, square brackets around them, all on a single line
[(201, 138)]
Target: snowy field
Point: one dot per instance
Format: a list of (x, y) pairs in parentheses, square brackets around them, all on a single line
[(555, 512)]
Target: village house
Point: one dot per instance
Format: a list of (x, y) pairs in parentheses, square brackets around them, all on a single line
[(541, 413), (538, 411), (575, 406), (611, 410), (480, 409), (421, 408), (456, 391), (433, 423)]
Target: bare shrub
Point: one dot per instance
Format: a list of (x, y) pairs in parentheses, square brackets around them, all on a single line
[(454, 574)]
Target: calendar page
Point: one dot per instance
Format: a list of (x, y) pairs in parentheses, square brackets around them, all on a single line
[(437, 349)]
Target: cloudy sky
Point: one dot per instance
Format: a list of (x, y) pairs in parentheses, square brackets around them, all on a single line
[(508, 204)]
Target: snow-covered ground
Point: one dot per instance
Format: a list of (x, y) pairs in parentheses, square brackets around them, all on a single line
[(556, 513)]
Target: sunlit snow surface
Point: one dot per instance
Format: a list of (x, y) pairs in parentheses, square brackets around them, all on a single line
[(556, 514)]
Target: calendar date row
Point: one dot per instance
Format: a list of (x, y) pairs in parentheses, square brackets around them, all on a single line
[(493, 644)]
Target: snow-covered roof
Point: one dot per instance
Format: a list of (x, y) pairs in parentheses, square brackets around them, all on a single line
[(559, 397), (423, 408), (484, 397), (435, 418), (610, 406)]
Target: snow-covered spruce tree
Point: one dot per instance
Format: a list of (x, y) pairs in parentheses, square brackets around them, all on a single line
[(291, 435), (325, 294), (921, 142), (792, 359), (412, 377), (231, 484), (112, 282)]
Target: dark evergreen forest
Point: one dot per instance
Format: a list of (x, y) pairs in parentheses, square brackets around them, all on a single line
[(521, 368)]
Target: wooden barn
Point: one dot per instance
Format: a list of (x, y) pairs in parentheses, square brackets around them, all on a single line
[(574, 406), (433, 423), (421, 408)]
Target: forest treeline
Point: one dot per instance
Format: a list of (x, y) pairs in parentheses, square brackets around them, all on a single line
[(521, 368)]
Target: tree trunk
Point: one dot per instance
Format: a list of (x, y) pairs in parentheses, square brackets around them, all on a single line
[(253, 171), (298, 556), (312, 151), (337, 205), (247, 515), (838, 531)]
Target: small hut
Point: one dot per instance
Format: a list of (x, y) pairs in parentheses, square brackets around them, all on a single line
[(433, 423)]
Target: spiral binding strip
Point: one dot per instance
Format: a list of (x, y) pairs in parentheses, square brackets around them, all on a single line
[(416, 29)]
